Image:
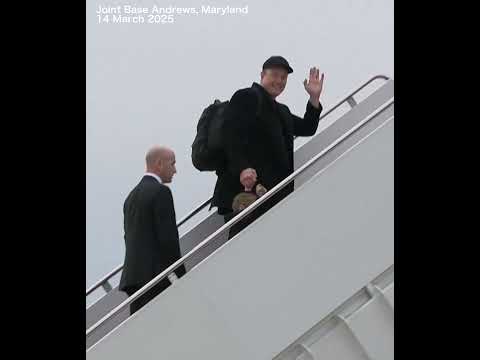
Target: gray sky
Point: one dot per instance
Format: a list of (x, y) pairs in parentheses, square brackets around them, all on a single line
[(148, 84)]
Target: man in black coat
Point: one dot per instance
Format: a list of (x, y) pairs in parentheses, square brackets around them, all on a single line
[(259, 133), (151, 235)]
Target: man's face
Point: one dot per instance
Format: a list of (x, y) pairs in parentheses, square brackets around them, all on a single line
[(167, 169), (274, 80)]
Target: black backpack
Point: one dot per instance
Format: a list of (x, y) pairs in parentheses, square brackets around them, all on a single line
[(208, 148)]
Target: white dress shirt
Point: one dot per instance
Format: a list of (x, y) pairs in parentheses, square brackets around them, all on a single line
[(153, 175)]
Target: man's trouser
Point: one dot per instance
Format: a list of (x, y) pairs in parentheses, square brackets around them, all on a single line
[(152, 292)]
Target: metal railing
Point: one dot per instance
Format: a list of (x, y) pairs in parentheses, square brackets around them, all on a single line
[(104, 282), (236, 219)]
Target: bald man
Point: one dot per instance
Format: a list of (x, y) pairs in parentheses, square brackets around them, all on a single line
[(151, 235)]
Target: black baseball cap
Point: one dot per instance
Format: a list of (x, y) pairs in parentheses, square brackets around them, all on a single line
[(277, 61)]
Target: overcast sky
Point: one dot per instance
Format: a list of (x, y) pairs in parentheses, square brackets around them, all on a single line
[(148, 84)]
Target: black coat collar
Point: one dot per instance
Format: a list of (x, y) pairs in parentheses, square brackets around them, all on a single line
[(264, 92), (286, 125)]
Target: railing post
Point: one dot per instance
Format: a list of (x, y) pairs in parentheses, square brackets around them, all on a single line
[(351, 101), (107, 287)]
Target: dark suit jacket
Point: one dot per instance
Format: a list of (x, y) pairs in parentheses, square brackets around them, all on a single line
[(151, 235), (264, 143)]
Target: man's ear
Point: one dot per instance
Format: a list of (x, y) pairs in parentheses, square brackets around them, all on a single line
[(159, 163), (262, 74)]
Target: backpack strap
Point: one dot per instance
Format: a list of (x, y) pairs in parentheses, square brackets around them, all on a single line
[(259, 102)]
